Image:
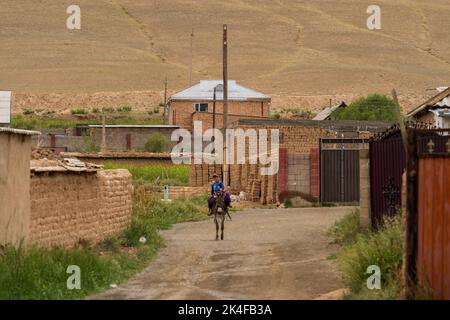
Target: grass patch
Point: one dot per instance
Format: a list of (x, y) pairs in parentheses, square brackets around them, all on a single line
[(38, 273), (159, 175), (363, 248), (346, 230)]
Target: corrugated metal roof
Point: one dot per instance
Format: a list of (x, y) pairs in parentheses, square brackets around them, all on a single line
[(204, 91), (325, 113), (19, 131), (132, 126), (440, 100)]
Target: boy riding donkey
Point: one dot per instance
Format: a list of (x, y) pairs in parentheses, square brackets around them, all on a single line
[(216, 188)]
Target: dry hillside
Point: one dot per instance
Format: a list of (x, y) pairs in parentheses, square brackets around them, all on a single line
[(287, 48)]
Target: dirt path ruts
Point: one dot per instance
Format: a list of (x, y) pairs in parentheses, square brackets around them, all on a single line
[(266, 254)]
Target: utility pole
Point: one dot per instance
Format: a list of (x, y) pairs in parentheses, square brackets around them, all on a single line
[(165, 99), (226, 178), (165, 92), (190, 63), (214, 108)]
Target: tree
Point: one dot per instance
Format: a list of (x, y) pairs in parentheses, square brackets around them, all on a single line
[(157, 143), (374, 107)]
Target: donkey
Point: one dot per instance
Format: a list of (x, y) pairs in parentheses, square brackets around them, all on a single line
[(220, 212)]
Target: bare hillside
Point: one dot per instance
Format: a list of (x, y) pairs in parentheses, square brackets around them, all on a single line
[(282, 47)]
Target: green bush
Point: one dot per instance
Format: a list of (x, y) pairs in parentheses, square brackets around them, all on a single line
[(374, 107), (288, 203), (108, 110), (21, 122), (95, 110), (80, 111), (124, 109), (157, 143), (27, 112), (346, 230), (383, 248)]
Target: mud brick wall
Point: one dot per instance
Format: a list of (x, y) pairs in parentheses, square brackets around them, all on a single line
[(69, 207)]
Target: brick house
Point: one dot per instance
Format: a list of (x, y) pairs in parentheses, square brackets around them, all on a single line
[(197, 104)]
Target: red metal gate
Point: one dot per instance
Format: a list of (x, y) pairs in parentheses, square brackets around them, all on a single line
[(433, 206)]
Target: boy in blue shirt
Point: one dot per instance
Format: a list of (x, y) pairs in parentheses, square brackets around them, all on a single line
[(216, 187)]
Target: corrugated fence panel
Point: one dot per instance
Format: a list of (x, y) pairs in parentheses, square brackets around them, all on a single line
[(339, 174), (434, 226)]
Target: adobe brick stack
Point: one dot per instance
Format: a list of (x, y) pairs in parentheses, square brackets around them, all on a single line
[(68, 207), (201, 174)]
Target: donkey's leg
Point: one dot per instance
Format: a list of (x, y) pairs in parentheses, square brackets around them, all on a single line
[(217, 227), (223, 225)]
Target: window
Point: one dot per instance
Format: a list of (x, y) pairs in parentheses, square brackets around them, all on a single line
[(201, 107)]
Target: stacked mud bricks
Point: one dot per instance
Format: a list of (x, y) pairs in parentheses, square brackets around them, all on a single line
[(68, 208), (201, 174)]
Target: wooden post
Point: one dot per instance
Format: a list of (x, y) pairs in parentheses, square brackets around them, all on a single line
[(103, 148), (400, 120), (412, 220), (191, 57), (226, 178), (214, 108), (165, 113)]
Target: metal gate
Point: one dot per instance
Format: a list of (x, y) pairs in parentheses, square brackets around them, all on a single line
[(387, 165), (339, 170)]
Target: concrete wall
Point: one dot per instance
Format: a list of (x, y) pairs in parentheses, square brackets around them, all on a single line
[(180, 112), (15, 152), (69, 207), (364, 188)]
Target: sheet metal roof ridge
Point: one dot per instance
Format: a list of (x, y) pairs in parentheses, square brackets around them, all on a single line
[(325, 113), (311, 123), (132, 126), (203, 91), (430, 102), (19, 131)]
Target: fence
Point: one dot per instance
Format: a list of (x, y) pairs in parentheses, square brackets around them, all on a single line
[(387, 165), (433, 210), (339, 169)]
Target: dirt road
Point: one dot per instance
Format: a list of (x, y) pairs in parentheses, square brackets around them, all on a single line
[(266, 254)]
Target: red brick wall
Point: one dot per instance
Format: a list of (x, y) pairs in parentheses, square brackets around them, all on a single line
[(315, 173), (180, 112)]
